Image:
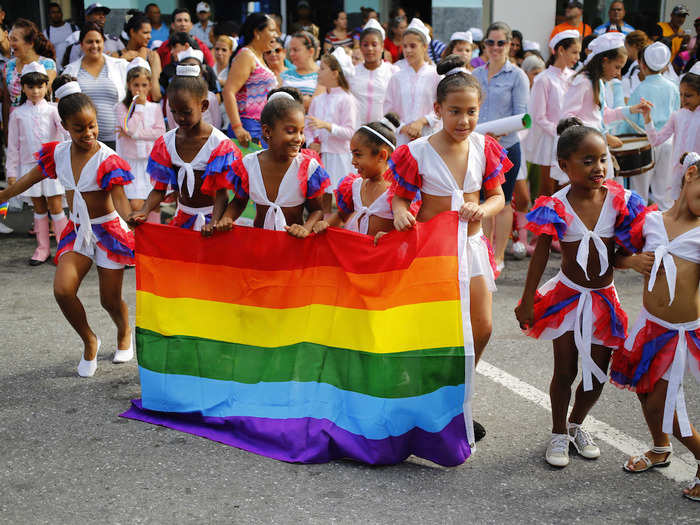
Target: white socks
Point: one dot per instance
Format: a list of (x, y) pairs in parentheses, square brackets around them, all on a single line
[(57, 217), (88, 368)]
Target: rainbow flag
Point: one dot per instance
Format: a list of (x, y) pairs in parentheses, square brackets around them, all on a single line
[(3, 209), (306, 350)]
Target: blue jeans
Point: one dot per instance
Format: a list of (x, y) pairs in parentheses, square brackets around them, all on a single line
[(515, 157)]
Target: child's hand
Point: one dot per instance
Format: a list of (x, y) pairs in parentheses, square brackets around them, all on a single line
[(643, 107), (642, 262), (224, 224), (471, 212), (404, 220), (320, 226), (645, 110), (208, 229), (136, 218), (613, 141), (297, 230), (525, 314), (495, 137), (317, 123), (378, 236), (140, 98), (242, 136), (414, 130)]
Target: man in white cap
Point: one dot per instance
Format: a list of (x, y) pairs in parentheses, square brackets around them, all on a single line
[(201, 29), (96, 13), (672, 30), (665, 97)]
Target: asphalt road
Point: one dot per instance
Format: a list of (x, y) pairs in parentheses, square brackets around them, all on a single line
[(68, 458)]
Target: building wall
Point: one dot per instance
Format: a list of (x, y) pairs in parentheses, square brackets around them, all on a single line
[(449, 16), (534, 19)]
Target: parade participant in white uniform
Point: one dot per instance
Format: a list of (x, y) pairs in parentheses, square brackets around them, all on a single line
[(370, 81), (32, 124), (411, 92)]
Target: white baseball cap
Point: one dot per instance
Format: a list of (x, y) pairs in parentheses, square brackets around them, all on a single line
[(203, 7)]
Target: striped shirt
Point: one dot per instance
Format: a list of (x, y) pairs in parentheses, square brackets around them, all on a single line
[(338, 42), (304, 83), (103, 94)]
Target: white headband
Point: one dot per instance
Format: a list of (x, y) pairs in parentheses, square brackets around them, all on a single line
[(462, 36), (456, 70), (188, 70), (138, 62), (234, 42), (373, 24), (569, 33), (380, 136), (388, 124), (605, 42), (33, 67), (690, 159), (190, 53), (69, 88), (280, 94)]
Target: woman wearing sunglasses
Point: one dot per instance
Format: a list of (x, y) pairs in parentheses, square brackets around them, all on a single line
[(276, 58), (506, 90)]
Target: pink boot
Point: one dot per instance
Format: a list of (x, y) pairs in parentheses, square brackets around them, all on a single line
[(520, 223), (59, 223), (43, 249)]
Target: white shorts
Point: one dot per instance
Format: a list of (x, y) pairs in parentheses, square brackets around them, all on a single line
[(44, 188), (480, 259), (92, 251), (141, 186)]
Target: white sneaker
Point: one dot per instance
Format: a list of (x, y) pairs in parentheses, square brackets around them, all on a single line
[(5, 229), (123, 356), (558, 450), (583, 442)]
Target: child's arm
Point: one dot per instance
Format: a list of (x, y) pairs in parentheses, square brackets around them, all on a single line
[(661, 136), (13, 162), (315, 214), (403, 218), (153, 201), (639, 262), (524, 312), (494, 203), (137, 128), (335, 219), (121, 203), (233, 211), (23, 183), (220, 204)]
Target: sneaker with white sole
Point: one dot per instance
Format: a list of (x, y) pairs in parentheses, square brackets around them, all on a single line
[(558, 450), (4, 229), (583, 443)]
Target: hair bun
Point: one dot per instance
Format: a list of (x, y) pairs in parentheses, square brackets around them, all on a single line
[(450, 63), (567, 123)]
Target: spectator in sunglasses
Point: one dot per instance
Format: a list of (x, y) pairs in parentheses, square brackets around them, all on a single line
[(275, 59), (506, 91)]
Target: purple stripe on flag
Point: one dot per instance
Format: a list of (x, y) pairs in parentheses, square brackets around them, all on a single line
[(309, 440)]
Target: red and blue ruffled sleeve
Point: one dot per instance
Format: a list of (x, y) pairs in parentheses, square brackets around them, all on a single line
[(218, 170), (160, 167), (114, 171), (497, 164), (237, 179), (407, 180), (631, 211), (343, 194), (548, 217), (44, 157), (312, 184)]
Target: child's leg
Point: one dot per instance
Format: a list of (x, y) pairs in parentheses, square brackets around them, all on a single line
[(72, 268), (546, 182), (112, 301), (58, 216), (584, 401), (327, 204), (653, 410), (41, 229), (480, 300), (565, 370)]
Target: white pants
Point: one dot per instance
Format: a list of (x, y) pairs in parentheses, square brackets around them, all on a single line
[(662, 178)]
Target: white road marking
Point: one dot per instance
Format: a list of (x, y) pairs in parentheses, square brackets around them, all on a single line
[(679, 470)]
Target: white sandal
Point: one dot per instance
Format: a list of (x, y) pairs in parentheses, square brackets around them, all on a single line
[(648, 465), (693, 484)]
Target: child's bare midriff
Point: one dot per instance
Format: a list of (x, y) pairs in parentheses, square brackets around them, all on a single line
[(686, 303), (434, 205), (99, 203), (292, 214), (575, 273), (198, 199)]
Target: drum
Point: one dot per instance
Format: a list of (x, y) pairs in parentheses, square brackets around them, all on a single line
[(634, 157)]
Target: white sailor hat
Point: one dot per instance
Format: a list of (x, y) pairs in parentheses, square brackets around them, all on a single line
[(477, 34), (138, 62), (462, 36), (191, 53), (563, 35), (605, 42), (417, 26), (373, 24), (33, 67), (531, 45), (657, 56), (344, 60)]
